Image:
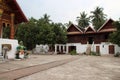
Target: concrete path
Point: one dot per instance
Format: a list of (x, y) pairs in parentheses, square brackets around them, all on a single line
[(20, 72), (62, 67), (84, 68)]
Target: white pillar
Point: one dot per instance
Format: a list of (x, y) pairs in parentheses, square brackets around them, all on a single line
[(67, 49), (55, 49), (93, 47), (63, 48), (59, 48)]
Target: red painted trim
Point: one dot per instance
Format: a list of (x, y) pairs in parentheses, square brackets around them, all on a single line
[(90, 28), (21, 12)]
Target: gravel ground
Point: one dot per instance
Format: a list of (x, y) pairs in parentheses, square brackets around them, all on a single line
[(85, 68)]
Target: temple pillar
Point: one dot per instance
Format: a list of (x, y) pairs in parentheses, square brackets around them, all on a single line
[(12, 31), (1, 12), (55, 49), (67, 51)]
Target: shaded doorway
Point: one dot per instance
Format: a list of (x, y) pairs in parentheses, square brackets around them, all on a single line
[(71, 48), (90, 40)]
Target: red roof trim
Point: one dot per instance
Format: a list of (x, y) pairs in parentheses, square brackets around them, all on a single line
[(90, 28), (104, 24), (75, 27), (21, 12)]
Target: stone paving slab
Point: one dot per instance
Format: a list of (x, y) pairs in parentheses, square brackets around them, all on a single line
[(18, 73), (31, 61), (84, 68)]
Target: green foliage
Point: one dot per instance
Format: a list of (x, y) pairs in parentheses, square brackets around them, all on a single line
[(117, 54), (83, 20), (6, 32), (115, 36), (41, 31), (73, 52), (95, 53), (98, 17)]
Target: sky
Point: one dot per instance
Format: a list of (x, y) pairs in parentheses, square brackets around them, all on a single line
[(67, 10)]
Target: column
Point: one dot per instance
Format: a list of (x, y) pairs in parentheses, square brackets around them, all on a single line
[(1, 12), (59, 48), (55, 49), (67, 49), (12, 32), (63, 48)]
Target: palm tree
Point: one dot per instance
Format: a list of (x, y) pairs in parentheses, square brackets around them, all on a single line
[(83, 20), (46, 18), (98, 17)]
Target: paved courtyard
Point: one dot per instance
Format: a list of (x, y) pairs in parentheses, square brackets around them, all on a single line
[(82, 68)]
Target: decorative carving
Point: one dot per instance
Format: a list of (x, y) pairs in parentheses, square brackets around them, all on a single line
[(4, 6), (1, 12), (12, 15)]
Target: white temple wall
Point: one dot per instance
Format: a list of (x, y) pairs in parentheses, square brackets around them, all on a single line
[(103, 47), (14, 44)]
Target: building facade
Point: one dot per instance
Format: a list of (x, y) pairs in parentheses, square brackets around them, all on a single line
[(10, 15), (81, 39)]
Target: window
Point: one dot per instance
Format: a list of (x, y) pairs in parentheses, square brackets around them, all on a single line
[(4, 25)]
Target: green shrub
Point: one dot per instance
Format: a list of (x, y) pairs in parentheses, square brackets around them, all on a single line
[(95, 53), (73, 52), (117, 54)]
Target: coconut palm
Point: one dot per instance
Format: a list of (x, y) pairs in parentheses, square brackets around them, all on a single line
[(46, 18), (98, 17), (83, 20)]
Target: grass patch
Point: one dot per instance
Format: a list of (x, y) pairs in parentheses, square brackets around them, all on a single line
[(117, 54), (94, 53), (73, 52)]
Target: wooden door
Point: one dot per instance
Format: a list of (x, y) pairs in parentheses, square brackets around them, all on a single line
[(111, 49), (98, 49)]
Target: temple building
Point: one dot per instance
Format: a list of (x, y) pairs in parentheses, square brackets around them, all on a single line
[(97, 40), (10, 15), (84, 40)]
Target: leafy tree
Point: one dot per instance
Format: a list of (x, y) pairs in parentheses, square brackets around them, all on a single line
[(67, 24), (98, 17), (6, 32), (83, 20), (27, 32), (115, 36), (60, 33), (41, 31)]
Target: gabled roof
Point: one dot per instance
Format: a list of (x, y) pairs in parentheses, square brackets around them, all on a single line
[(76, 27), (109, 28), (19, 15), (89, 29)]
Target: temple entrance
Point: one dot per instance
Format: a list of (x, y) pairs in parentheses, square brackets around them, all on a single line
[(71, 48), (90, 40)]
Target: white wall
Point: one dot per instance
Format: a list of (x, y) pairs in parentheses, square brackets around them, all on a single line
[(79, 47), (104, 47), (117, 48), (14, 44)]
